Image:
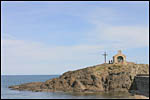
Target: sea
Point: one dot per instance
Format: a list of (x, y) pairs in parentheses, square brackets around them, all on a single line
[(8, 80)]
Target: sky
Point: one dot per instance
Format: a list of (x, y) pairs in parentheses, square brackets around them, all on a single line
[(52, 37)]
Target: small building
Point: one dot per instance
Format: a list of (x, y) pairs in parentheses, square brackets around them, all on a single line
[(119, 58)]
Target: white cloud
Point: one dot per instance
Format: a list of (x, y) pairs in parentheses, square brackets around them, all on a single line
[(106, 32), (25, 56), (120, 36), (127, 36)]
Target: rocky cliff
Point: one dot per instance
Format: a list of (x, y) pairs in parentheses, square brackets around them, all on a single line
[(104, 77)]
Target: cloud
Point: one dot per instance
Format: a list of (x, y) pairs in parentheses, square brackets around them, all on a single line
[(20, 56), (127, 36), (28, 55), (119, 37)]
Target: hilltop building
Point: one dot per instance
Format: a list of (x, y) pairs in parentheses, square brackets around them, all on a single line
[(119, 58)]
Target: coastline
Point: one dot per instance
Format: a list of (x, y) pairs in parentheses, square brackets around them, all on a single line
[(98, 78), (56, 93)]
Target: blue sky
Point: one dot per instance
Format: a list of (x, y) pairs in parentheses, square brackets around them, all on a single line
[(55, 37)]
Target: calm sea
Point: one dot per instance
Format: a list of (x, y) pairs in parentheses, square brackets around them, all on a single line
[(8, 80)]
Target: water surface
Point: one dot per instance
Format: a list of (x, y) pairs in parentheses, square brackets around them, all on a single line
[(8, 80)]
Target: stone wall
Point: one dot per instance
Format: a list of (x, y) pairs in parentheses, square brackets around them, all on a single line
[(141, 85)]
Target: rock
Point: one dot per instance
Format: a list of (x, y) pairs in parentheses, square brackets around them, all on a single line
[(140, 97), (78, 86), (27, 86), (104, 77)]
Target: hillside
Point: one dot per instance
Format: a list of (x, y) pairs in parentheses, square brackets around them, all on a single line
[(103, 77)]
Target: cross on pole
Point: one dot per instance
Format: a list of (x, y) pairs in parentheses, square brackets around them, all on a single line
[(105, 54)]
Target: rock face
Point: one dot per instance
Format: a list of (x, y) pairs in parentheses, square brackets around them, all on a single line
[(104, 77)]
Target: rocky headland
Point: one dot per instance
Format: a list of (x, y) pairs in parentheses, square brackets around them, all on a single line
[(98, 78)]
